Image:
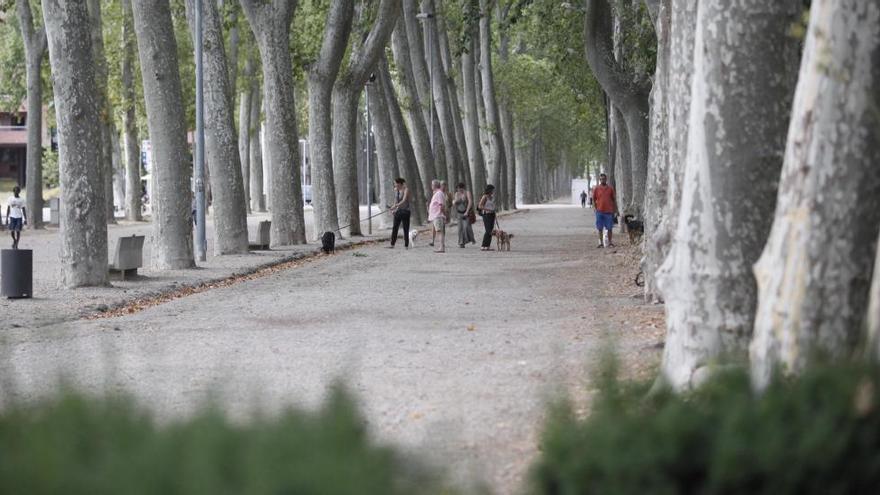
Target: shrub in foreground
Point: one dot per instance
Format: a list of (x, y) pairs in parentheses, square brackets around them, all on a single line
[(74, 444), (819, 433)]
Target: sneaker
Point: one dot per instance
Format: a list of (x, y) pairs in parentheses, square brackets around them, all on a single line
[(600, 246), (390, 247), (431, 243)]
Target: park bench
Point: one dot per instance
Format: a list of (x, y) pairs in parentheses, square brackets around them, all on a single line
[(128, 255), (259, 239)]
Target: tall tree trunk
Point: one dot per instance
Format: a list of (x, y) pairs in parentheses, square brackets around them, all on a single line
[(118, 167), (130, 141), (680, 68), (482, 126), (221, 146), (345, 99), (258, 201), (322, 75), (416, 118), (873, 318), (744, 74), (172, 197), (83, 211), (421, 76), (623, 161), (471, 120), (507, 122), (244, 135), (406, 157), (385, 152), (521, 193), (443, 99), (101, 76), (34, 51), (493, 120), (628, 92), (658, 155), (234, 42), (814, 274), (270, 23)]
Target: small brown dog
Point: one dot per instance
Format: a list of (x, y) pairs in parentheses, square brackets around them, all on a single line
[(502, 239)]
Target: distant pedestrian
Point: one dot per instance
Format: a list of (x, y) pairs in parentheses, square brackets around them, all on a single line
[(16, 215), (401, 212), (464, 204), (605, 203), (437, 214), (583, 199), (487, 210)]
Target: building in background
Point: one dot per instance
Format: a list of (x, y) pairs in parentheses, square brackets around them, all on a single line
[(13, 144)]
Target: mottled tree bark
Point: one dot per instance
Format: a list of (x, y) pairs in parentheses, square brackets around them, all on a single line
[(270, 23), (471, 120), (623, 161), (258, 202), (442, 100), (83, 210), (497, 158), (744, 75), (221, 145), (172, 170), (421, 76), (346, 93), (130, 142), (322, 76), (406, 157), (418, 129), (101, 75), (873, 318), (814, 274), (34, 50), (507, 121), (679, 70), (658, 154), (385, 151), (244, 136)]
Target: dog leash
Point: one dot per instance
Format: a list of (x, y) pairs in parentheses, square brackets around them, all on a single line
[(361, 220)]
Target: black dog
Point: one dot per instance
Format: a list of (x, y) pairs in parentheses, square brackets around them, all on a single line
[(635, 228), (328, 242)]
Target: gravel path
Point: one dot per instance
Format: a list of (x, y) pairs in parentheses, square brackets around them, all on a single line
[(453, 354)]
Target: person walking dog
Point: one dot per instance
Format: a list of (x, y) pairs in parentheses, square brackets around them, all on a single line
[(487, 211)]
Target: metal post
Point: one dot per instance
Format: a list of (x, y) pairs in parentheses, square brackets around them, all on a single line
[(199, 182), (369, 165)]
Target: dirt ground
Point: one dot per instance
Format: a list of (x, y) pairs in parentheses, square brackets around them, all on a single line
[(453, 356)]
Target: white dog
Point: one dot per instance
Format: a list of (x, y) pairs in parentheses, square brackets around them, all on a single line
[(413, 235)]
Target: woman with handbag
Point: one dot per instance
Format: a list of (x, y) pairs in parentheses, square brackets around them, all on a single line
[(487, 210), (464, 204)]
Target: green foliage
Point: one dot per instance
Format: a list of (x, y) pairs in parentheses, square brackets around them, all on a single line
[(50, 168), (819, 433), (76, 444), (13, 84)]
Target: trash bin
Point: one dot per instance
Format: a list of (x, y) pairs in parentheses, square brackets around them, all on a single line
[(16, 273)]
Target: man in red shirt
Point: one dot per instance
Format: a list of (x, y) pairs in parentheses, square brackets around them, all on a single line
[(605, 203)]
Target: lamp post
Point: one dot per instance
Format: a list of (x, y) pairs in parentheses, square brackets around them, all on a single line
[(199, 172)]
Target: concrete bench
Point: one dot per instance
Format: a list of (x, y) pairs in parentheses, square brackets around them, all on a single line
[(128, 255), (259, 239)]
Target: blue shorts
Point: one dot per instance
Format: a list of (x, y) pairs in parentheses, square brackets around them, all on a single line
[(15, 224), (604, 221)]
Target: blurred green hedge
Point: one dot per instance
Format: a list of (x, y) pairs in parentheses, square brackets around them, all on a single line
[(816, 434), (75, 444)]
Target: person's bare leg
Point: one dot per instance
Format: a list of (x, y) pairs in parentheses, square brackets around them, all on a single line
[(610, 243), (601, 240)]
